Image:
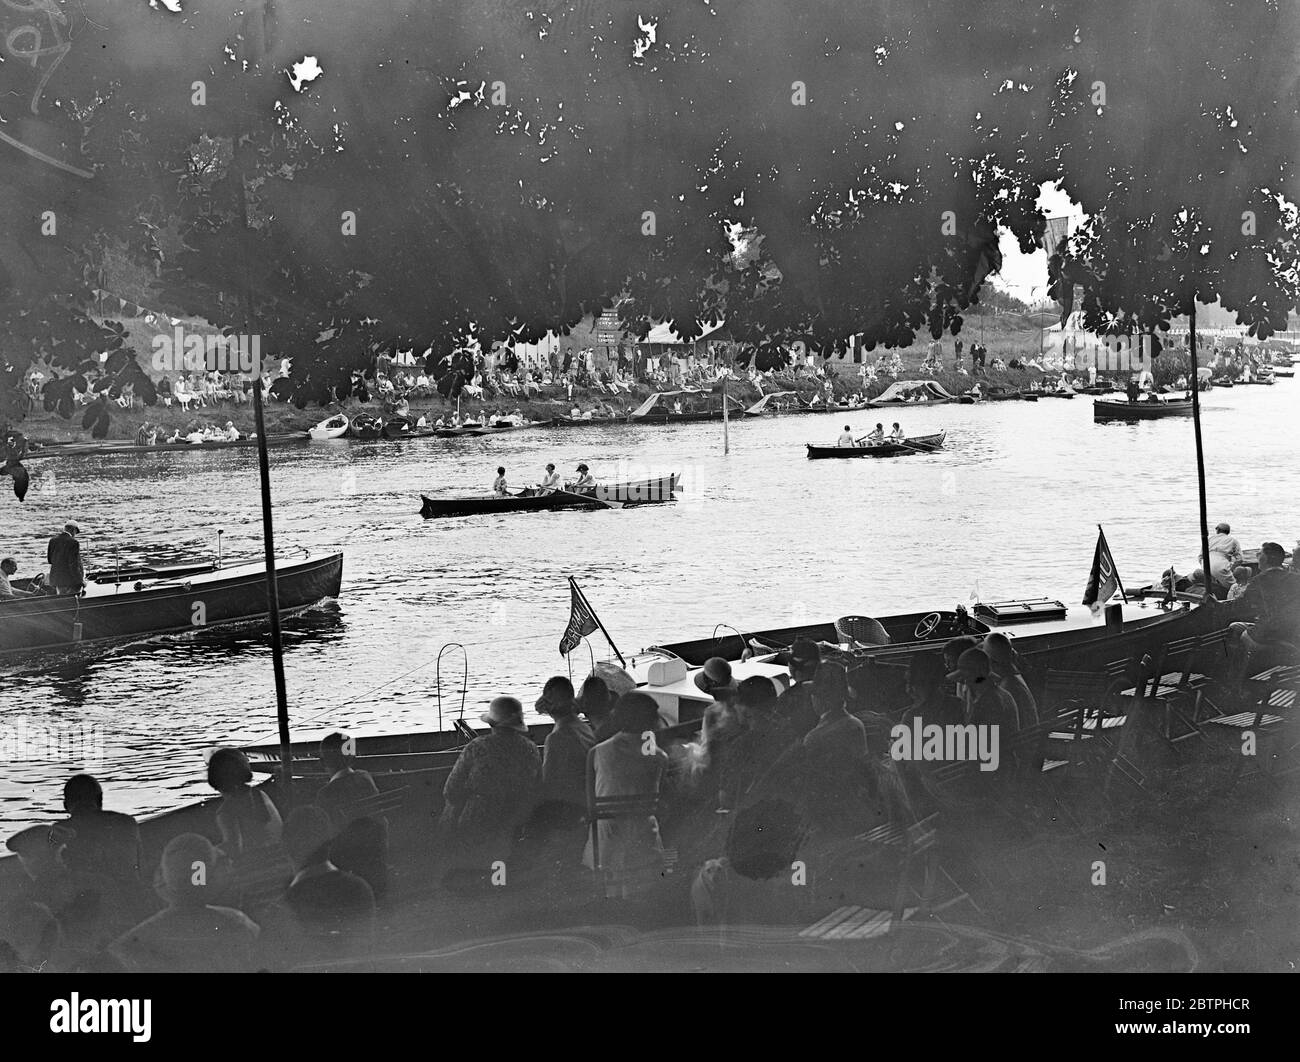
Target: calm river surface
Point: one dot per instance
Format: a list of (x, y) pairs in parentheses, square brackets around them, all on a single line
[(761, 537)]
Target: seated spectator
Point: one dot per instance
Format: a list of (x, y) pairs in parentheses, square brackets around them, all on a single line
[(931, 700), (1005, 665), (796, 706), (325, 901), (346, 785), (564, 763), (985, 702), (193, 934), (361, 848), (596, 704), (99, 842), (630, 763), (1240, 577), (835, 758), (491, 790), (751, 883), (247, 818)]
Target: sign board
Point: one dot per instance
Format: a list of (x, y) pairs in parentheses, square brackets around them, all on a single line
[(608, 329)]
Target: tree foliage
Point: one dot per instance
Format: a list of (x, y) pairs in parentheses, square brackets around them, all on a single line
[(511, 166)]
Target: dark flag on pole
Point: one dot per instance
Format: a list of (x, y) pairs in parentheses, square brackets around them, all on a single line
[(1104, 580), (582, 620)]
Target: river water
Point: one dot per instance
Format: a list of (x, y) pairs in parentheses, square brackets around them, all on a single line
[(760, 538)]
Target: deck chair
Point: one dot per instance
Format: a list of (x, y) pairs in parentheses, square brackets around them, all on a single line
[(1182, 685), (920, 873), (1076, 703), (1278, 689), (856, 631)]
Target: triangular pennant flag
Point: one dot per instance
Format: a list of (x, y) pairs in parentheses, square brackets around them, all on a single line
[(1103, 582)]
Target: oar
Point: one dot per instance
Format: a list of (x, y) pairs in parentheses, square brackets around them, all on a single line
[(590, 498), (906, 445)]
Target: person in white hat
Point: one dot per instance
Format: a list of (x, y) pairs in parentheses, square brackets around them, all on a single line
[(491, 790)]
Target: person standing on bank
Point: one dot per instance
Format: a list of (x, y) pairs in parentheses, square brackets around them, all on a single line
[(67, 573)]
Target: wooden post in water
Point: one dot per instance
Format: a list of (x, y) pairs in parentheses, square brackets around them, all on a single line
[(1200, 453), (272, 588), (726, 433)]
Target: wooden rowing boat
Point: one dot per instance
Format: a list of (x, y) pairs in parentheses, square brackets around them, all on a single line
[(1105, 409), (919, 444), (175, 600), (109, 449), (365, 426), (331, 428), (653, 491)]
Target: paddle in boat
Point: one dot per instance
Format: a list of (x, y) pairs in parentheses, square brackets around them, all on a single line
[(333, 428), (919, 444), (652, 491), (141, 602)]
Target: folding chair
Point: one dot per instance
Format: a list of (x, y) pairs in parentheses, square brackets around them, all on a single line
[(611, 808), (1276, 693), (1076, 702), (1180, 684), (915, 846)]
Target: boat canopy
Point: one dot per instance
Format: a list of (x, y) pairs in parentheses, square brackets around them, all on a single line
[(761, 404), (903, 390), (649, 404)]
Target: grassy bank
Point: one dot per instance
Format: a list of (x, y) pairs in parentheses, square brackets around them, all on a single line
[(281, 417)]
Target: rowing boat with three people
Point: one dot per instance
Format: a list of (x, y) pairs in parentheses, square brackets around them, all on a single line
[(654, 491), (919, 444)]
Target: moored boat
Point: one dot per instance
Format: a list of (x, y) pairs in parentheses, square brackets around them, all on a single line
[(111, 448), (366, 426), (919, 444), (174, 600), (397, 428), (332, 428), (1045, 632), (651, 412), (912, 393)]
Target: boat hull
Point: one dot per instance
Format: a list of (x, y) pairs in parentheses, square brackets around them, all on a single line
[(925, 444), (1042, 646), (104, 449), (1103, 410), (181, 604)]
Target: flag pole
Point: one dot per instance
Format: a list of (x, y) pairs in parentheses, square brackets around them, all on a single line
[(576, 589)]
